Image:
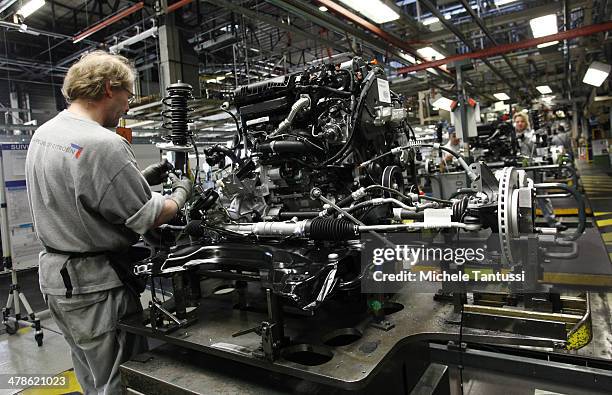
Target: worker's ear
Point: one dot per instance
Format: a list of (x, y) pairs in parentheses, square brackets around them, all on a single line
[(108, 89)]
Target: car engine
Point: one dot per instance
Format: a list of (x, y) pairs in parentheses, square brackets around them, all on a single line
[(322, 158)]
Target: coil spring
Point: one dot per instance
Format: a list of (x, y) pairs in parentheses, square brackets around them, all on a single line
[(460, 209), (332, 229), (176, 116)]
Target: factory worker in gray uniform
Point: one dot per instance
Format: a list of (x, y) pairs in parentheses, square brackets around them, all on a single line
[(525, 136), (527, 140), (89, 200)]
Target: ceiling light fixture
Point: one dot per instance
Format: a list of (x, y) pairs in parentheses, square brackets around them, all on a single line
[(429, 21), (430, 54), (375, 10), (323, 8), (501, 96), (544, 26), (503, 2), (544, 89), (30, 7), (597, 73)]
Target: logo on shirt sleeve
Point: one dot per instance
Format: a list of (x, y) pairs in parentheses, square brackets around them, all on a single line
[(78, 149)]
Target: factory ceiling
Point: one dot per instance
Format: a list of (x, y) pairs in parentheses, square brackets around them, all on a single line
[(239, 41)]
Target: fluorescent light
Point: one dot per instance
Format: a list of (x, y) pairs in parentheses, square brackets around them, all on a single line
[(544, 26), (375, 10), (430, 54), (323, 8), (429, 21), (596, 74), (547, 44), (501, 96), (544, 89), (30, 7), (443, 103), (503, 2)]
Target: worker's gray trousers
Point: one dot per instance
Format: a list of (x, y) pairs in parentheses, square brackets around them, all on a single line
[(89, 325)]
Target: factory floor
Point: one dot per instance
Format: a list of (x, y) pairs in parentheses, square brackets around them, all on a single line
[(19, 353), (597, 184)]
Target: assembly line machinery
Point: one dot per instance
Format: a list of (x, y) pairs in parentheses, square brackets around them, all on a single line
[(266, 268)]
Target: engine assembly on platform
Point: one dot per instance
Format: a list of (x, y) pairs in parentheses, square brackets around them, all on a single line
[(323, 162)]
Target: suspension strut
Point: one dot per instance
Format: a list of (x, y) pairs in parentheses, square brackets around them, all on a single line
[(176, 118)]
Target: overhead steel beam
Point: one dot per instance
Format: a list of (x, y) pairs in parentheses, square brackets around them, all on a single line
[(327, 21), (486, 31), (274, 22), (18, 27), (372, 28), (307, 12), (4, 4), (505, 19), (323, 19), (382, 34), (108, 21), (505, 48), (177, 5), (450, 26), (390, 38)]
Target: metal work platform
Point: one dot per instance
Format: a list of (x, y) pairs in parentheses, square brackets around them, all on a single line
[(205, 356), (343, 350), (339, 350)]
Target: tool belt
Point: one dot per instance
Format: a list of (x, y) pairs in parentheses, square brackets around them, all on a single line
[(121, 261)]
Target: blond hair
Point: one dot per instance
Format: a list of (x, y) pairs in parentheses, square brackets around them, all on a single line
[(525, 119), (86, 79)]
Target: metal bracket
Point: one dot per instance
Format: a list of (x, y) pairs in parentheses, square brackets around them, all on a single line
[(156, 315), (268, 344)]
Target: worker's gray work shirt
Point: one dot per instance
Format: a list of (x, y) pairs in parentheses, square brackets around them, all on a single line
[(527, 143), (86, 195)]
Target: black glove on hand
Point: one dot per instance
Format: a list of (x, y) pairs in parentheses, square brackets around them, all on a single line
[(157, 173), (181, 190)]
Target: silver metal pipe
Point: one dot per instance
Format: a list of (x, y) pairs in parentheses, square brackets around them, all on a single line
[(301, 104), (269, 229), (553, 195)]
